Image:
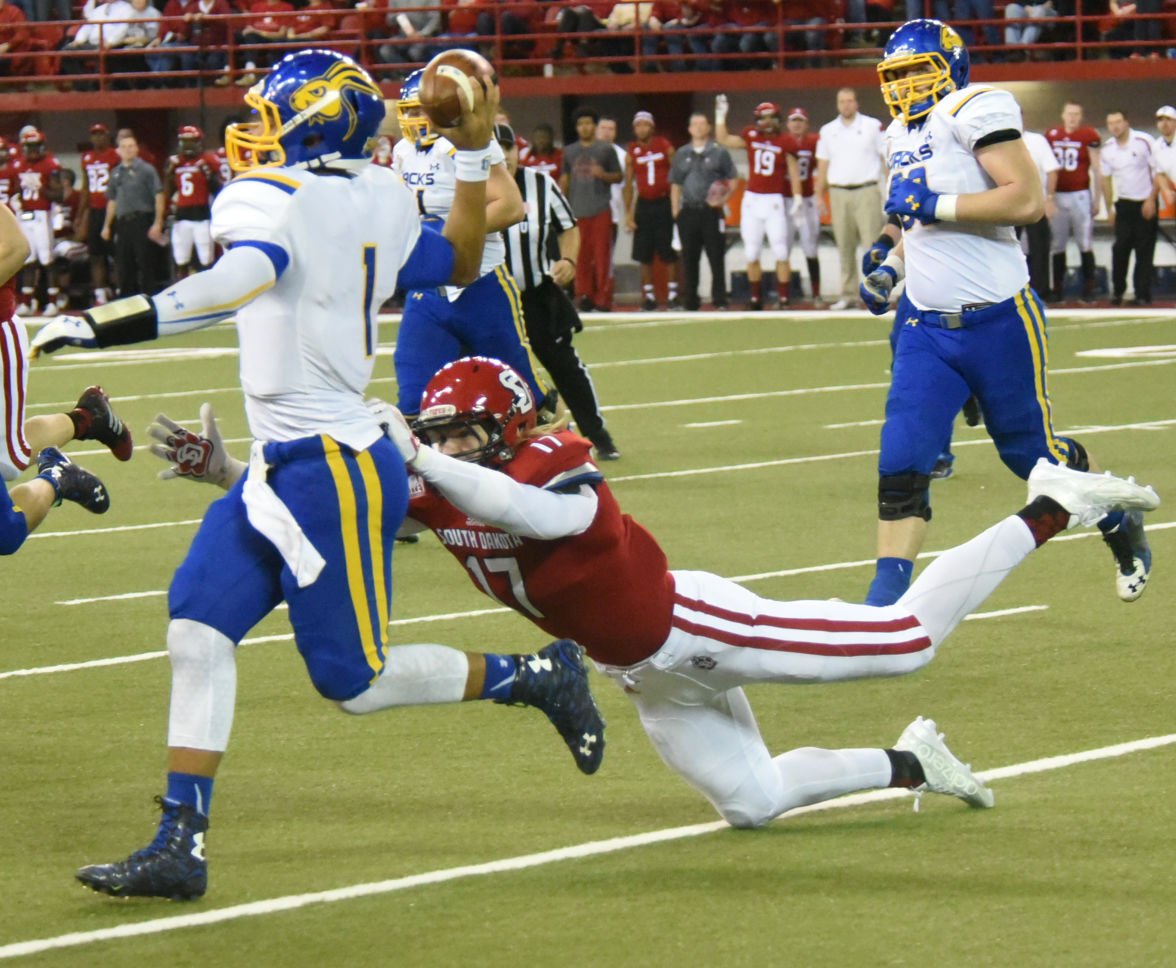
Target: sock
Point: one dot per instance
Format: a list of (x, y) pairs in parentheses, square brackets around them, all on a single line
[(784, 289), (1059, 274), (191, 790), (906, 769), (892, 577), (647, 290), (814, 268), (82, 419), (673, 289), (1088, 271), (757, 289), (1045, 518), (500, 674), (1111, 522)]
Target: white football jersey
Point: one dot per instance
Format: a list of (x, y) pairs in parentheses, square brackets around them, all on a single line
[(429, 172), (308, 345), (950, 265)]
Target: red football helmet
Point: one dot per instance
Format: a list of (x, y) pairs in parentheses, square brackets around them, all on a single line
[(768, 115), (479, 392), (190, 138), (32, 141)]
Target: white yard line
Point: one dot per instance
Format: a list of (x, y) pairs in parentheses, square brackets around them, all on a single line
[(594, 848)]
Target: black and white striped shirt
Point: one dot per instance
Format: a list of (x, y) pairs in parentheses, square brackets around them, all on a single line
[(529, 242)]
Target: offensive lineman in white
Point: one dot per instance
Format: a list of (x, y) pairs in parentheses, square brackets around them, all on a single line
[(485, 317), (309, 261), (961, 178)]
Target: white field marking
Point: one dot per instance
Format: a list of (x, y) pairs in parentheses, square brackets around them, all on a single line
[(1002, 612), (712, 423), (480, 612), (126, 527), (593, 848), (135, 398), (854, 423)]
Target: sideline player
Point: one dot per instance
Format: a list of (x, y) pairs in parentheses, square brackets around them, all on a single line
[(1076, 146), (191, 178), (311, 521), (648, 212), (483, 317), (531, 519), (37, 176), (803, 217), (769, 166), (98, 161), (961, 178)]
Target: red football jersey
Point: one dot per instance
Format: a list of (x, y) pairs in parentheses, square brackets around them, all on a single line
[(32, 179), (608, 588), (222, 164), (8, 298), (550, 163), (651, 167), (805, 150), (767, 172), (96, 169), (193, 179), (7, 185), (1072, 150)]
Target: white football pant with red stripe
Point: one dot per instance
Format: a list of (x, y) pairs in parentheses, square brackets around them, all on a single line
[(688, 693), (15, 453)]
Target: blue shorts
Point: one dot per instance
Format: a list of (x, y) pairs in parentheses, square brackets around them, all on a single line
[(999, 354), (486, 320), (350, 505)]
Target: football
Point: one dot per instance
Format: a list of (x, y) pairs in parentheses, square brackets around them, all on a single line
[(447, 85)]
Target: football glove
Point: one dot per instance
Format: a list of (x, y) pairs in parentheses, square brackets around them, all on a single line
[(63, 331), (876, 287), (721, 108), (396, 428), (198, 457), (911, 199), (876, 254)]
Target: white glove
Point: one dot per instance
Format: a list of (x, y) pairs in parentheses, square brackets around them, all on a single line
[(796, 205), (63, 331), (396, 429), (721, 108), (199, 457)]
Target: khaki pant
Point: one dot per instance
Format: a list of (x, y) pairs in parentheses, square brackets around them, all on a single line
[(857, 220)]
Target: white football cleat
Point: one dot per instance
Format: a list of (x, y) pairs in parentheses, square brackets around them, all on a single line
[(1088, 497), (943, 772)]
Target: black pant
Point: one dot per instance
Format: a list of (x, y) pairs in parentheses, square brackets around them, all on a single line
[(132, 254), (550, 320), (1039, 236), (1133, 233), (701, 230)]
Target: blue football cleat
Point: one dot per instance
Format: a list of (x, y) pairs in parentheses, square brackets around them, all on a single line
[(171, 866), (555, 680), (1133, 557), (72, 483)]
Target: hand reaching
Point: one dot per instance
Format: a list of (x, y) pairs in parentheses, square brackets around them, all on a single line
[(396, 429), (199, 457), (63, 331)]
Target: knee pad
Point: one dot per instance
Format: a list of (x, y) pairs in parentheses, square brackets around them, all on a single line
[(1076, 456), (904, 496), (204, 685)]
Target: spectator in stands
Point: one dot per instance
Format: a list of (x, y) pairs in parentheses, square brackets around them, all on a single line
[(850, 162), (510, 19), (105, 27), (966, 10), (813, 14), (700, 183), (315, 23), (1127, 164), (43, 10), (580, 18), (1021, 29), (194, 24), (590, 169), (692, 27), (142, 34), (265, 29), (543, 154), (749, 29), (634, 25), (1147, 30), (14, 35), (411, 32), (97, 164)]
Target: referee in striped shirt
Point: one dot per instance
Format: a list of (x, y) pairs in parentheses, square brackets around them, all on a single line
[(549, 315)]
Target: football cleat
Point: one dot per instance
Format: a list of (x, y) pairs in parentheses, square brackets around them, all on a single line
[(605, 448), (96, 420), (555, 681), (1088, 497), (972, 413), (173, 865), (72, 483), (648, 304), (1133, 556), (942, 771), (944, 467)]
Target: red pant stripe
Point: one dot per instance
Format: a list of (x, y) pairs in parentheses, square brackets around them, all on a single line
[(902, 624), (846, 650), (12, 370)]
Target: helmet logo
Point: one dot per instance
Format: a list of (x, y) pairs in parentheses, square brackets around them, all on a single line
[(949, 40), (514, 383), (341, 76)]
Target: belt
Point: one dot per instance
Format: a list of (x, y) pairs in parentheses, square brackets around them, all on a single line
[(953, 320), (850, 188)]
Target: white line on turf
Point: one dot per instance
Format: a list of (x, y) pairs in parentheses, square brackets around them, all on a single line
[(712, 423), (593, 848)]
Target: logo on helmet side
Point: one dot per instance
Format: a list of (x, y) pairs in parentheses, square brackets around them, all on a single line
[(340, 77)]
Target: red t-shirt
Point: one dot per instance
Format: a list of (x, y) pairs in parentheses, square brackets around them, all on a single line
[(608, 588), (804, 149), (767, 170), (261, 16), (550, 163), (651, 167), (96, 169), (1072, 150)]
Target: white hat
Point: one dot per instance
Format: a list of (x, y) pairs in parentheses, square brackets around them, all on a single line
[(1167, 111)]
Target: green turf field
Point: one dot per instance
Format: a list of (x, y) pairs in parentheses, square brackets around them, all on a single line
[(749, 450)]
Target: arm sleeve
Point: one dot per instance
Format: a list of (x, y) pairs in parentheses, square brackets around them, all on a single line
[(238, 277), (492, 497), (429, 264)]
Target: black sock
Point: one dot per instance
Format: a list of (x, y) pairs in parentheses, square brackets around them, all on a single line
[(905, 769), (1045, 518), (81, 421)]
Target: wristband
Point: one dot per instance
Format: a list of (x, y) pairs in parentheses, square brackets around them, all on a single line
[(132, 319), (895, 262), (472, 166), (945, 208)]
